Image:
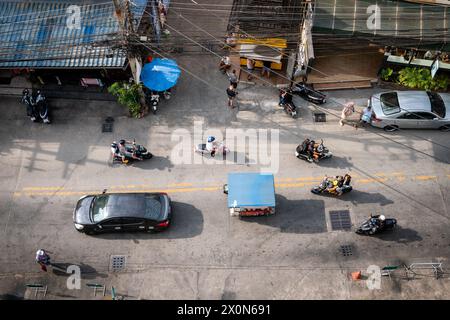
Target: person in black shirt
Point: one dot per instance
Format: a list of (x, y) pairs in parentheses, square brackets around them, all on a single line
[(231, 92)]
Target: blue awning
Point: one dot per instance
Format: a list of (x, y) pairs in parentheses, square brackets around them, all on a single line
[(38, 34), (251, 190)]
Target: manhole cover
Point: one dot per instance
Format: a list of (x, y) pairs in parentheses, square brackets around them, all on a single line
[(340, 220), (346, 250), (117, 263), (107, 127)]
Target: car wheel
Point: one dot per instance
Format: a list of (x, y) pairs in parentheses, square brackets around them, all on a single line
[(390, 128), (445, 128)]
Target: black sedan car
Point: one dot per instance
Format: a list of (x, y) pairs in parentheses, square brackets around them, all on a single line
[(112, 212)]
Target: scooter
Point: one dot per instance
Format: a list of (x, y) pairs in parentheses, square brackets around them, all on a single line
[(139, 152), (288, 105), (37, 106), (369, 227), (308, 93), (218, 148), (42, 107), (152, 99), (321, 150), (323, 187)]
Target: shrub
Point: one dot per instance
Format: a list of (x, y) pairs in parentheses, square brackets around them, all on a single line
[(386, 74), (127, 95), (420, 78)]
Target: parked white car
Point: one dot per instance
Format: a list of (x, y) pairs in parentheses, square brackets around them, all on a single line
[(410, 110)]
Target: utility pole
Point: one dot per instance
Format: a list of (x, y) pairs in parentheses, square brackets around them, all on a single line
[(125, 19)]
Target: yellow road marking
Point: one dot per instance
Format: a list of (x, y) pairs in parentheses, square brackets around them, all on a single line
[(371, 180), (182, 184), (185, 187), (425, 177), (43, 188)]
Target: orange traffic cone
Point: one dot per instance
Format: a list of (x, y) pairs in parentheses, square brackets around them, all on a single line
[(356, 275)]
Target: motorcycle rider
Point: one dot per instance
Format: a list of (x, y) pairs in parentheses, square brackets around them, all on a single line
[(43, 259), (124, 153), (210, 145), (311, 150), (41, 106), (27, 99)]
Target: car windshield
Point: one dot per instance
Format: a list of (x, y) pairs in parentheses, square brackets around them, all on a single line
[(389, 103), (100, 208), (437, 104)]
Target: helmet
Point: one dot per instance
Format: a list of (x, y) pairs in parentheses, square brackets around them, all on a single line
[(122, 142), (40, 252), (382, 217), (211, 138), (25, 91)]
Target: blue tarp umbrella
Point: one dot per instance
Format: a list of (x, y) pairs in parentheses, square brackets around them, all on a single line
[(160, 74)]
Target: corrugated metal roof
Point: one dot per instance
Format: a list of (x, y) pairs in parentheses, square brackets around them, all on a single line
[(397, 19), (38, 34)]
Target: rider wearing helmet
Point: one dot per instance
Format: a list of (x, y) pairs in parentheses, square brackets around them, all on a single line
[(210, 145), (27, 99), (43, 259)]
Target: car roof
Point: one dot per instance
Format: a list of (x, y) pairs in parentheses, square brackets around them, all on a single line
[(127, 204), (414, 101)]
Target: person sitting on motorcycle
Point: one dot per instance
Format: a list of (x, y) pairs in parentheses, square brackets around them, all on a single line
[(210, 145), (124, 153), (27, 99), (333, 187), (310, 150)]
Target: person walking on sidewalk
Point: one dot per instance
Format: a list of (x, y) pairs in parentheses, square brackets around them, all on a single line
[(233, 78), (231, 92), (348, 110), (250, 67), (266, 68)]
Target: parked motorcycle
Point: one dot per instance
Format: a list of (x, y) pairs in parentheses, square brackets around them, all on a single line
[(308, 93), (152, 100), (334, 186), (137, 152), (376, 224), (319, 150), (287, 103)]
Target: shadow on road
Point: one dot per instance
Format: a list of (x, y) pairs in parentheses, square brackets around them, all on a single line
[(87, 272), (160, 163), (400, 235), (361, 197), (187, 222), (295, 216)]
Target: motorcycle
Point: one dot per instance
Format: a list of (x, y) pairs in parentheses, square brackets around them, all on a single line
[(321, 151), (42, 107), (37, 106), (152, 100), (217, 147), (138, 152), (371, 227), (343, 186), (308, 93), (287, 103)]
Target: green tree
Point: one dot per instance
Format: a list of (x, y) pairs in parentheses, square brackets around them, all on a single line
[(127, 95)]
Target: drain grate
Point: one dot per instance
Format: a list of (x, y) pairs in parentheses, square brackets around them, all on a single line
[(347, 250), (117, 263), (340, 220), (107, 127)]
